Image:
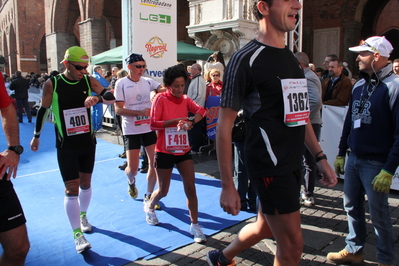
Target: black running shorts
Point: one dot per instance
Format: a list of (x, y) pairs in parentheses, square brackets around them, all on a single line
[(167, 161), (71, 162), (11, 214), (134, 142), (279, 193)]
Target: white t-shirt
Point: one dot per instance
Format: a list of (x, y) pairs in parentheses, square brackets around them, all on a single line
[(136, 96)]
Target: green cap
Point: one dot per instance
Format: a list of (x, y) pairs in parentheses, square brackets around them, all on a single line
[(76, 54)]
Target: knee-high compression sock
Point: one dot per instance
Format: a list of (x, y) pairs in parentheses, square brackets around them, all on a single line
[(71, 206), (84, 199)]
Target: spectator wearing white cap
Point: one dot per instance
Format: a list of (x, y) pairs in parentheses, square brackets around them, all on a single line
[(371, 133)]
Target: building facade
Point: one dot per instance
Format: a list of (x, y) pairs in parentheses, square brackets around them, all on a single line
[(35, 34)]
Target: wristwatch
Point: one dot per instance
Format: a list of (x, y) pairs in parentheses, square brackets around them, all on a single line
[(192, 119), (18, 149)]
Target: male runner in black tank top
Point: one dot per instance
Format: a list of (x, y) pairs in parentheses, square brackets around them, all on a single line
[(68, 95)]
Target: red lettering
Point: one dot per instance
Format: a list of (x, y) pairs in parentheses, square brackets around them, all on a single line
[(212, 114)]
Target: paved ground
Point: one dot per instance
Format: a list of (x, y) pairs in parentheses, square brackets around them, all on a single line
[(324, 228)]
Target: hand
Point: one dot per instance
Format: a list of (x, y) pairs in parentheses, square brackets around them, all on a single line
[(329, 178), (382, 182), (230, 201), (91, 100), (339, 165), (184, 125), (9, 161), (146, 112), (34, 144)]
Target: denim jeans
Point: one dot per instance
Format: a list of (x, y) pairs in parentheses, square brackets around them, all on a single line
[(97, 115), (359, 174)]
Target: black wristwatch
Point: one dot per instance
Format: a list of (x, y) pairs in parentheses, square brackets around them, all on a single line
[(192, 119), (18, 149)]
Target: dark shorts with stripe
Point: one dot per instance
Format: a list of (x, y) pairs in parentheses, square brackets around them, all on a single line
[(134, 142), (167, 161), (72, 162), (11, 213), (279, 193)]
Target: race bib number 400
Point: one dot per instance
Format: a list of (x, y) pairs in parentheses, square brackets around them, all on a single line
[(176, 141), (76, 121), (296, 102)]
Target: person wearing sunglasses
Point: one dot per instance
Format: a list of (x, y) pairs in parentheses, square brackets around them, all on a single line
[(69, 95), (214, 88), (133, 95)]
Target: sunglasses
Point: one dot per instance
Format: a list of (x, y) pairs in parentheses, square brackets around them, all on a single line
[(216, 75), (140, 66), (79, 67)]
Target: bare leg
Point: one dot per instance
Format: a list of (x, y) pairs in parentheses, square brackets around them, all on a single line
[(163, 176), (16, 246), (287, 231), (133, 158), (186, 170), (151, 174), (249, 235)]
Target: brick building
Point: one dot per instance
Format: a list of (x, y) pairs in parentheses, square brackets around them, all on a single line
[(35, 34)]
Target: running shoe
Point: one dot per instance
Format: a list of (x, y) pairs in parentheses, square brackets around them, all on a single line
[(133, 192), (213, 259), (150, 216), (81, 243), (196, 231), (85, 226), (147, 200)]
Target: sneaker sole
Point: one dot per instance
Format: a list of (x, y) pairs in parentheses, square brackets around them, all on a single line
[(84, 249), (86, 230)]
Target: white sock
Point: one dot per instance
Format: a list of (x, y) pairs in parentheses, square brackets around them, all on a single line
[(71, 206), (84, 199), (131, 180)]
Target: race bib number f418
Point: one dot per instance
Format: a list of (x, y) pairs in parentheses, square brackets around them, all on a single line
[(176, 141), (296, 102)]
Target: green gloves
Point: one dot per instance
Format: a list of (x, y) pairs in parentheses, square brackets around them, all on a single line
[(382, 182), (339, 165)]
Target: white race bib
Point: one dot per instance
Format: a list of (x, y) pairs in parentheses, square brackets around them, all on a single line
[(296, 102), (76, 121), (176, 141)]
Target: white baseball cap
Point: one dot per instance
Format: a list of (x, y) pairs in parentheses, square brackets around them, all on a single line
[(375, 44)]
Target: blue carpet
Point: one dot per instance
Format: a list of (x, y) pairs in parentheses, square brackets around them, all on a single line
[(120, 234)]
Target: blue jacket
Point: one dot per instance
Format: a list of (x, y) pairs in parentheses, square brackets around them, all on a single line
[(377, 138)]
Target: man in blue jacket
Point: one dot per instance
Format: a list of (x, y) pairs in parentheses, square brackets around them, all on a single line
[(97, 110), (371, 133)]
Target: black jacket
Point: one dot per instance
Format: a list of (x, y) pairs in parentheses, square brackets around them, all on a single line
[(20, 86)]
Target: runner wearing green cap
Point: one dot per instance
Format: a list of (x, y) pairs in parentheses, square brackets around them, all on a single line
[(69, 96)]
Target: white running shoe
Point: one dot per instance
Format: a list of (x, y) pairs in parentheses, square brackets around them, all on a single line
[(150, 216), (196, 231), (85, 226), (81, 243)]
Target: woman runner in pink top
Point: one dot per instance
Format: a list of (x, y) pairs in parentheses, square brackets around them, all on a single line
[(168, 116)]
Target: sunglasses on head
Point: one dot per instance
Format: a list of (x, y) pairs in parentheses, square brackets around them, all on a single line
[(79, 67), (140, 66)]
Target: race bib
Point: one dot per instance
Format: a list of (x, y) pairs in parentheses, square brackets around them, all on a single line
[(141, 120), (296, 102), (176, 141), (76, 121)]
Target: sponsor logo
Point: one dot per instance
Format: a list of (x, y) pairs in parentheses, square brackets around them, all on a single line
[(156, 18), (155, 3), (156, 47)]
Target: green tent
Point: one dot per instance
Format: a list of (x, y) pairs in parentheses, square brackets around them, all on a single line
[(184, 52)]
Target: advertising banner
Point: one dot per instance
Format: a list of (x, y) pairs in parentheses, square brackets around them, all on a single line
[(151, 31), (212, 109)]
